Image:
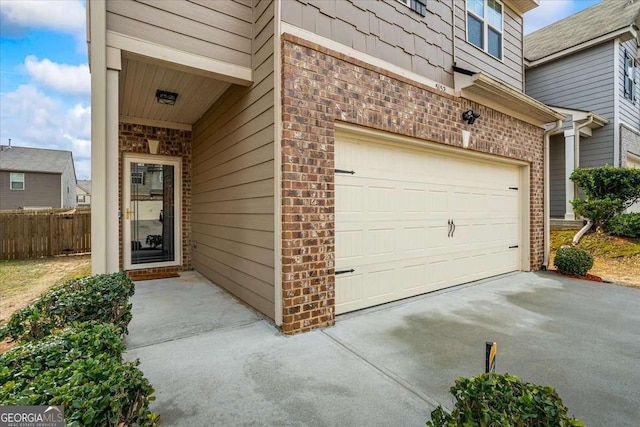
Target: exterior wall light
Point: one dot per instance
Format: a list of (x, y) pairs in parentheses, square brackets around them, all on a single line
[(164, 97), (470, 116)]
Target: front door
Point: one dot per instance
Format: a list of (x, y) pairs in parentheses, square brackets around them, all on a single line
[(151, 211)]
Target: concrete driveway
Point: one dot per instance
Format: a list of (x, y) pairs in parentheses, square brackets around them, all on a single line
[(215, 362)]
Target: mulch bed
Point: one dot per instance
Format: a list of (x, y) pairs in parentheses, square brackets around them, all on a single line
[(590, 277)]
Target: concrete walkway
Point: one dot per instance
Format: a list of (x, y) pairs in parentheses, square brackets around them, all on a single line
[(215, 362)]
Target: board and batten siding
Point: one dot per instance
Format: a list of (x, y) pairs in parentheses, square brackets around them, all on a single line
[(629, 110), (219, 29), (233, 180), (556, 173), (509, 69), (40, 190), (582, 81), (386, 29)]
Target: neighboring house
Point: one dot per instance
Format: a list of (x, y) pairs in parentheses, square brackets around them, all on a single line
[(36, 178), (321, 156), (587, 65), (83, 192)]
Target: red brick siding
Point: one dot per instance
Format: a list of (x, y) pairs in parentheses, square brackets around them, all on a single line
[(173, 142), (319, 87)]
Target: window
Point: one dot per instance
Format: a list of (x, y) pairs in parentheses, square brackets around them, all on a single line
[(484, 25), (137, 178), (630, 65), (17, 181), (81, 198), (418, 6)]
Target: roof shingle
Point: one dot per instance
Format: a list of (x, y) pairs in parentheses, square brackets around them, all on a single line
[(598, 20), (22, 159)]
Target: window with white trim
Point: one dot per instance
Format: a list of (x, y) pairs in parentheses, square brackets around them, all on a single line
[(16, 181), (81, 198), (630, 65), (418, 6), (484, 25)]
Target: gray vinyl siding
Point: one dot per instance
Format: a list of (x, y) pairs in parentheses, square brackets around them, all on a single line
[(218, 29), (69, 186), (556, 173), (385, 29), (629, 110), (582, 81), (40, 190), (509, 69), (233, 180)]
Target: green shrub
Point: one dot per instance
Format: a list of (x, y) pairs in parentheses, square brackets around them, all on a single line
[(608, 192), (80, 368), (103, 298), (502, 400), (625, 225), (570, 260)]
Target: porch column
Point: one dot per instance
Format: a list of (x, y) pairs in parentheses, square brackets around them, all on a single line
[(569, 167), (113, 182), (98, 46)]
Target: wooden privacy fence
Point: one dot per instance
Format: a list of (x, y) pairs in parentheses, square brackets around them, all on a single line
[(36, 234)]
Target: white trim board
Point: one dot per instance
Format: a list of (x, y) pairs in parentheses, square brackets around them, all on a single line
[(155, 123), (180, 60)]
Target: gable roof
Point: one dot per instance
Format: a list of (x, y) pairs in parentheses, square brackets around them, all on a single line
[(85, 184), (601, 19), (22, 159)]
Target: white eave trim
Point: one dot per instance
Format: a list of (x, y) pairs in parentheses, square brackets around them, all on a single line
[(490, 92), (581, 116), (180, 60), (582, 46), (154, 123)]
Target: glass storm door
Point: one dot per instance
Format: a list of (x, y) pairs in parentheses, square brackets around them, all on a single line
[(151, 211)]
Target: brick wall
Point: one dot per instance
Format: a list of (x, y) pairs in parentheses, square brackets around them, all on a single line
[(629, 143), (173, 142), (320, 87)]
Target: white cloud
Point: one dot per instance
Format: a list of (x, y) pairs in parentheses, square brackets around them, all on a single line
[(67, 16), (548, 12), (31, 118), (71, 79)]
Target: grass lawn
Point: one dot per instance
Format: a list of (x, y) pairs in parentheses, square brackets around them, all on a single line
[(616, 259), (22, 281)]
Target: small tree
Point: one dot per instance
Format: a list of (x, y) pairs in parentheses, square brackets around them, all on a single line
[(608, 192)]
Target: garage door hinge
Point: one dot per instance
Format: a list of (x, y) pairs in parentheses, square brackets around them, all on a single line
[(344, 271), (513, 188), (345, 171), (513, 247)]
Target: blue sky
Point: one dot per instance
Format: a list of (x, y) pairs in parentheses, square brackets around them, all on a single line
[(44, 76)]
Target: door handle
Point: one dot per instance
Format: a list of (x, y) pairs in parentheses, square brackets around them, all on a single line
[(448, 228), (454, 228)]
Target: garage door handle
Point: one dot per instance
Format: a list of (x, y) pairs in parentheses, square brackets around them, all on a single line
[(450, 228), (345, 271), (454, 228)]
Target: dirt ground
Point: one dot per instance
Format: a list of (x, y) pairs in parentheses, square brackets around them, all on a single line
[(23, 281), (615, 259)]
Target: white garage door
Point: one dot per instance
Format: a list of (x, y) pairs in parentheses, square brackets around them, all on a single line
[(410, 221)]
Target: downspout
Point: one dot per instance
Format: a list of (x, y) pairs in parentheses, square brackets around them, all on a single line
[(547, 194), (587, 227)]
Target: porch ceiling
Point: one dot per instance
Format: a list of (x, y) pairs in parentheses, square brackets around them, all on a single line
[(139, 81)]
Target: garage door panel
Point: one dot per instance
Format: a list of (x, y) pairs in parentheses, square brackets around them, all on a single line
[(392, 222)]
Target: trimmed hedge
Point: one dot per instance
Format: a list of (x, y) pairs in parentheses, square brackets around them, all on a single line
[(102, 298), (570, 260), (627, 225), (503, 400), (80, 368)]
